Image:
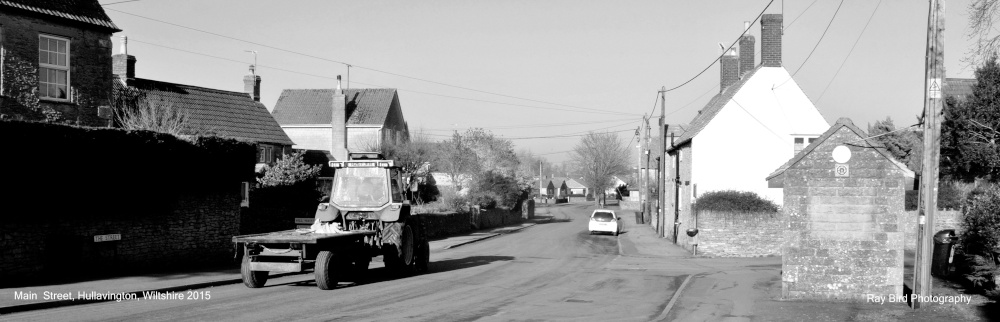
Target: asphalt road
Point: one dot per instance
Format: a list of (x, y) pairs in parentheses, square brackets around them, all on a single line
[(551, 271)]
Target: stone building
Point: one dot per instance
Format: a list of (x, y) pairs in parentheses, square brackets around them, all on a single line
[(843, 205), (56, 61)]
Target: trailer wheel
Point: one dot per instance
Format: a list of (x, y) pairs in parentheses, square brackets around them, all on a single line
[(397, 247), (252, 279), (423, 256), (326, 270)]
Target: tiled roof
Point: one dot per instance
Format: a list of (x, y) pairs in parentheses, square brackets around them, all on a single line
[(573, 184), (842, 122), (222, 113), (712, 108), (959, 87), (312, 106), (86, 11)]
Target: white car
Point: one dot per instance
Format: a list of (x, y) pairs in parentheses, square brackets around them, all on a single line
[(604, 220)]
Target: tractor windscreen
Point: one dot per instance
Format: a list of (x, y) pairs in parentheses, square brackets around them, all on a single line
[(360, 187)]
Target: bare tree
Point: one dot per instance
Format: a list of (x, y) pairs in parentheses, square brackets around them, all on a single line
[(455, 158), (983, 14), (160, 117), (599, 157)]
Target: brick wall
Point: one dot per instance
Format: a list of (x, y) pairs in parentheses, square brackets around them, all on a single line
[(90, 64), (723, 234), (943, 219), (193, 230), (770, 40), (844, 238), (730, 71)]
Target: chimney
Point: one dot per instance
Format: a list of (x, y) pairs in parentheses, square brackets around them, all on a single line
[(251, 84), (338, 124), (730, 70), (770, 40), (123, 64), (747, 56)]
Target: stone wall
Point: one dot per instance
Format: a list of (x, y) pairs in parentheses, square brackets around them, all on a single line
[(943, 219), (194, 230), (723, 234), (443, 225)]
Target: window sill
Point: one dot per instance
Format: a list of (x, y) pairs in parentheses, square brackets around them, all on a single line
[(56, 101)]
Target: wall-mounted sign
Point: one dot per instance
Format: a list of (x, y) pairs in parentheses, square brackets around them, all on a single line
[(841, 154), (105, 238), (841, 170)]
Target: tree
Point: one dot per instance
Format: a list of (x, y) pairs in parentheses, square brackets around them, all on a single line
[(986, 42), (493, 153), (905, 145), (970, 132), (456, 159), (414, 156), (599, 157), (287, 171)]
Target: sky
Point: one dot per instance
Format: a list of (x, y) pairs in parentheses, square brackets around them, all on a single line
[(541, 72)]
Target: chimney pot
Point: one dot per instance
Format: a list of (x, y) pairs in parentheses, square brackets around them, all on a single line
[(123, 64)]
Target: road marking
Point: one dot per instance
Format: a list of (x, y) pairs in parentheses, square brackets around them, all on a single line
[(673, 299)]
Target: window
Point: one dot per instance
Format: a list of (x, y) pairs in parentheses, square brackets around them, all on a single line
[(800, 143), (53, 67)]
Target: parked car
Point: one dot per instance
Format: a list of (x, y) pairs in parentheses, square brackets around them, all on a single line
[(606, 221)]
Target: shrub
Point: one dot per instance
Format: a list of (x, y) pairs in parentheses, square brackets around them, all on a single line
[(492, 189), (734, 201), (981, 224), (447, 201), (289, 170), (951, 195)]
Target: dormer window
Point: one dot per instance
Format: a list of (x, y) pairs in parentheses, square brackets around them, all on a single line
[(53, 68), (800, 143)]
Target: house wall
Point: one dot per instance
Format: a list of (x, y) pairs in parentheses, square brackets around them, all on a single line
[(753, 135), (309, 137), (90, 64), (364, 138), (844, 238), (687, 189)]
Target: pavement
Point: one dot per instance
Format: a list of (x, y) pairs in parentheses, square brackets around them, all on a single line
[(180, 280), (749, 289)]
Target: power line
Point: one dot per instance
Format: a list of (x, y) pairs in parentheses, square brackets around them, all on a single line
[(849, 52), (725, 51), (108, 4), (694, 100), (799, 16), (814, 47), (540, 125), (355, 65), (400, 89)]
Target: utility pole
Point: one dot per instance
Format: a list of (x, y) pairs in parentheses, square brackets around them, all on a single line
[(662, 165), (645, 176), (933, 115), (638, 163)]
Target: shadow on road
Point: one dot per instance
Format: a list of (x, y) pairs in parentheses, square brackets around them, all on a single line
[(552, 219), (381, 274)]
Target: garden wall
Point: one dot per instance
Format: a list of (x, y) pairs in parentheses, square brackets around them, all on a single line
[(727, 234), (943, 219)]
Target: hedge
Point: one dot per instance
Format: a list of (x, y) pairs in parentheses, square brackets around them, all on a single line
[(74, 171), (734, 201)]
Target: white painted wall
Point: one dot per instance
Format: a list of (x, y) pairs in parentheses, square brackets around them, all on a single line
[(317, 137), (753, 135)]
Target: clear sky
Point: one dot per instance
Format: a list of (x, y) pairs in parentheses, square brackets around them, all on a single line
[(559, 67)]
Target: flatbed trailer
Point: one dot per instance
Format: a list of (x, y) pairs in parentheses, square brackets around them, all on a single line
[(329, 255)]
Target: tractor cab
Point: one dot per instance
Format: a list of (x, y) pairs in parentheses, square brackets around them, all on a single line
[(366, 189)]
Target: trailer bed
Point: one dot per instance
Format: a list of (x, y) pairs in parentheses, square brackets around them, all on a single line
[(296, 236)]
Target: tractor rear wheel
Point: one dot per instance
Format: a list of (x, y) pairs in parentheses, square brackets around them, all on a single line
[(326, 270), (397, 247), (252, 279)]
